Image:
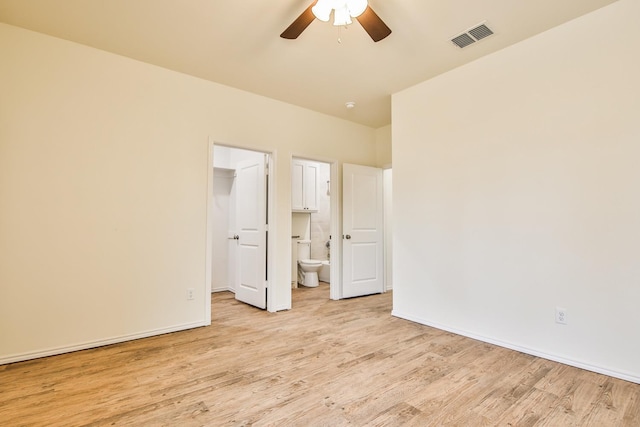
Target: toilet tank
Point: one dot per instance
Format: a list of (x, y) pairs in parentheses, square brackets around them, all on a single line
[(304, 249)]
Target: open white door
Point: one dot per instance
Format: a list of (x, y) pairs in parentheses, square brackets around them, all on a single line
[(362, 223), (251, 217)]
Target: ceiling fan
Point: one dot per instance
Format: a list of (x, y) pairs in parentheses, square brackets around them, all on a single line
[(343, 11)]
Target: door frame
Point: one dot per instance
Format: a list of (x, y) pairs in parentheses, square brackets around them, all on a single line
[(271, 227), (335, 217)]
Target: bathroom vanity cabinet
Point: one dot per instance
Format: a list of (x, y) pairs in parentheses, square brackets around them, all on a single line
[(304, 186)]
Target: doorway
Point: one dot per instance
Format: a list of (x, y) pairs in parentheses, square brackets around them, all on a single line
[(355, 252), (310, 221), (314, 220), (240, 211)]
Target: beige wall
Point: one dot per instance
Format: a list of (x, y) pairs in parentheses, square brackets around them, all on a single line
[(383, 146), (103, 190), (515, 186)]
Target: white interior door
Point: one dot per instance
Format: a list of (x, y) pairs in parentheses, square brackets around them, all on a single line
[(362, 222), (251, 217)]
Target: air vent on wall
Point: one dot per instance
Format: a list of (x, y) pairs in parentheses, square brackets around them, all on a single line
[(472, 35)]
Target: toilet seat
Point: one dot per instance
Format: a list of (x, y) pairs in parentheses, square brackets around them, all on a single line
[(310, 262)]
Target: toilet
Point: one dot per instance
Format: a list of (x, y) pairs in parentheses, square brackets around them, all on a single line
[(307, 268)]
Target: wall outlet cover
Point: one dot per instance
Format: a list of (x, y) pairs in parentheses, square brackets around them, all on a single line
[(561, 315)]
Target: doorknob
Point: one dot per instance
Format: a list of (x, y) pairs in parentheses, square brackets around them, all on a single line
[(348, 236), (236, 237)]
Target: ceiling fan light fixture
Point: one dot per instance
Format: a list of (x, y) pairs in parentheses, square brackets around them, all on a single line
[(322, 10), (341, 16), (343, 10), (357, 7)]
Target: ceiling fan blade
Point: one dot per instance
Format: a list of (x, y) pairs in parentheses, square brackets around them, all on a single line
[(298, 26), (373, 25)]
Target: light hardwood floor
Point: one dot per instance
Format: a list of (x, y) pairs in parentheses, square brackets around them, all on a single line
[(324, 363)]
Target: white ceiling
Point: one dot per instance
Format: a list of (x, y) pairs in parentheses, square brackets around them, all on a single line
[(237, 43)]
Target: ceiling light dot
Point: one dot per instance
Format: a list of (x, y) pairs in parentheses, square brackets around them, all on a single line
[(350, 105)]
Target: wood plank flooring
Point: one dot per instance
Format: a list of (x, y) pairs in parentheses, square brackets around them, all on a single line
[(324, 363)]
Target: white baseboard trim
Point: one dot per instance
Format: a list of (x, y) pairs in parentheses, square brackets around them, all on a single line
[(571, 362), (222, 289), (98, 343)]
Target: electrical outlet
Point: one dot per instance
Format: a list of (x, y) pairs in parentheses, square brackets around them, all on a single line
[(190, 293), (561, 315)]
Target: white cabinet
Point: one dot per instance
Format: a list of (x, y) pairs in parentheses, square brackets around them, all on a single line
[(304, 186)]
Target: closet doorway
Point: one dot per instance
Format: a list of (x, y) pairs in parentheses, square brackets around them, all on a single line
[(240, 217)]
